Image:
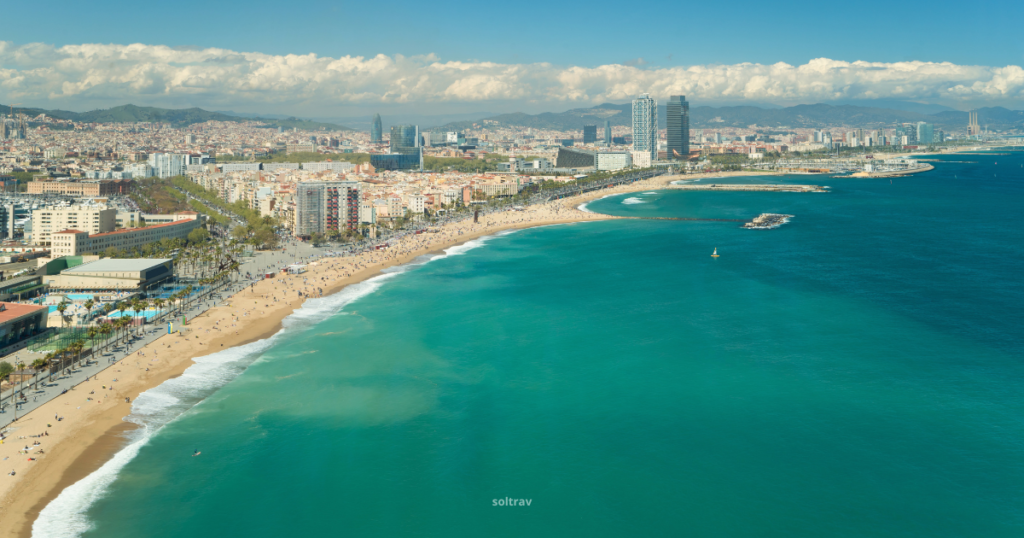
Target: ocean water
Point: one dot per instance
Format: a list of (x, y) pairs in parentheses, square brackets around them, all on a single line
[(855, 372)]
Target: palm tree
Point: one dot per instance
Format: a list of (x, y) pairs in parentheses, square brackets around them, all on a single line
[(159, 304), (77, 346), (122, 324), (59, 355), (136, 303), (50, 357), (88, 308), (61, 308), (37, 365), (188, 296), (105, 330), (90, 336), (21, 369)]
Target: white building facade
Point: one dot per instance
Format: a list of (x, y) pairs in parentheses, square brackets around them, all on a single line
[(613, 161), (167, 164), (89, 219)]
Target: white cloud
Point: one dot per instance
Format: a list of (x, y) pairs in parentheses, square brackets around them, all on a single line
[(88, 75)]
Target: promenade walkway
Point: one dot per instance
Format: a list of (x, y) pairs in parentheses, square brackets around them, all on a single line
[(47, 390)]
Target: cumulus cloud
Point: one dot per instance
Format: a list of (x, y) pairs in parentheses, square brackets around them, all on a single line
[(75, 76)]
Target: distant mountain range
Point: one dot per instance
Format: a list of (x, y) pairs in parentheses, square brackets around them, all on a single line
[(804, 116), (175, 117), (701, 117)]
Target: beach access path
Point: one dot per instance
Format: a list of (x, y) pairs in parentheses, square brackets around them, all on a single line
[(93, 427)]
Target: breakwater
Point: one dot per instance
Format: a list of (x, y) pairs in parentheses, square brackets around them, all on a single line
[(767, 221), (749, 187)]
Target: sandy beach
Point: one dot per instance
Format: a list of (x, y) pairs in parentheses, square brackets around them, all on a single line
[(68, 438)]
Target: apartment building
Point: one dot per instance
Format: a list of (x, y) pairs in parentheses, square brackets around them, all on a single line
[(74, 242), (81, 188), (322, 206), (90, 219)]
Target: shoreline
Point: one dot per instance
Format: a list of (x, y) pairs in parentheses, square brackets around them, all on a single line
[(87, 438)]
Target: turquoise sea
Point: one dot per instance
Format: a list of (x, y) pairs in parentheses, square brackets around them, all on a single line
[(857, 372)]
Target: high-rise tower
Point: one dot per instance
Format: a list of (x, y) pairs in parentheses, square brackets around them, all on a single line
[(645, 130), (405, 139), (678, 127), (376, 130)]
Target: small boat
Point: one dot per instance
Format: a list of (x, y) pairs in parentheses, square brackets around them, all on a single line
[(715, 253)]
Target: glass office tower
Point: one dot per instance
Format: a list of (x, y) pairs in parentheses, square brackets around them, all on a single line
[(405, 139), (678, 123), (645, 126), (376, 131)]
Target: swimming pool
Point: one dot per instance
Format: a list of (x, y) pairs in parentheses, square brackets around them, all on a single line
[(149, 313), (79, 296), (167, 291)]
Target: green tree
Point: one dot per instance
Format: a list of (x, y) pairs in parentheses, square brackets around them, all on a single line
[(5, 369), (265, 238), (199, 235)]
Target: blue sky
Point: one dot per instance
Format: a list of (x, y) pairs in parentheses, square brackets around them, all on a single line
[(576, 33), (701, 49)]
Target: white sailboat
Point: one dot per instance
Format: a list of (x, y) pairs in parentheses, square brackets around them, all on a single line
[(715, 253)]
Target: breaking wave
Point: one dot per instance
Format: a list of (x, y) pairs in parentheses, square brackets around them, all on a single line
[(65, 516)]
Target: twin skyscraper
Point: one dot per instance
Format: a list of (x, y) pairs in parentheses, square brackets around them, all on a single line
[(645, 129)]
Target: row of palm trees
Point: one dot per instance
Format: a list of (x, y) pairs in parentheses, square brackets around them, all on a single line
[(70, 355), (210, 263)]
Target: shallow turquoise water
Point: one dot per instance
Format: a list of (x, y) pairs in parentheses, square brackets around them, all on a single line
[(856, 372)]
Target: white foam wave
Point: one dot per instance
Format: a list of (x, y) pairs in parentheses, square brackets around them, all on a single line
[(65, 516), (648, 192), (152, 410), (633, 200), (583, 206), (464, 248)]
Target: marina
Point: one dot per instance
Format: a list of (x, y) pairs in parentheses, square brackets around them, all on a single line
[(885, 172)]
